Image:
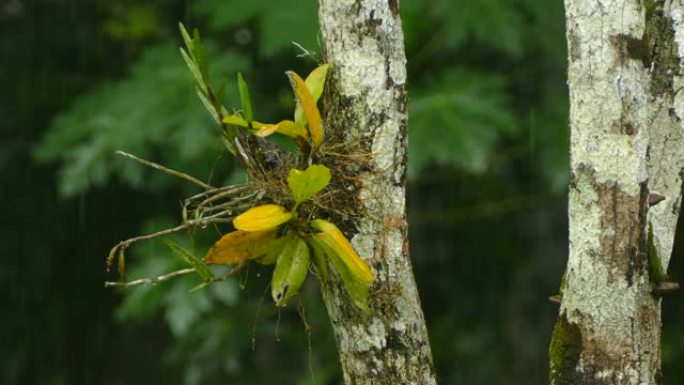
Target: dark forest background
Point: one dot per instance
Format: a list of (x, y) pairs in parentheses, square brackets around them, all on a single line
[(486, 191)]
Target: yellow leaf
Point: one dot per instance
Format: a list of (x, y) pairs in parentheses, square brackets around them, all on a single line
[(265, 217), (285, 127), (333, 238), (240, 246), (311, 112), (357, 289), (315, 82), (263, 129)]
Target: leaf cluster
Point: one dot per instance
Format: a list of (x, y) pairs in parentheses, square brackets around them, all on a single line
[(266, 233)]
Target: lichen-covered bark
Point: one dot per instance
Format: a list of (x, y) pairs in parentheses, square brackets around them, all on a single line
[(627, 149), (365, 105)]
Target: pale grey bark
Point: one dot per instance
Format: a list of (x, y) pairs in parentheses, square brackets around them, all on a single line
[(626, 146), (365, 104)]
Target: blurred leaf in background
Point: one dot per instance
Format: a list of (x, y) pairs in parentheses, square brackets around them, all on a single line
[(458, 119), (152, 113)]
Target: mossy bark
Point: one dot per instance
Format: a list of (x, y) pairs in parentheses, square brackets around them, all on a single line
[(627, 144), (365, 106)]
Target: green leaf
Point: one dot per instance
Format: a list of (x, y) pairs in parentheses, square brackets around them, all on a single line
[(235, 120), (186, 37), (208, 105), (459, 118), (305, 184), (200, 268), (291, 270), (148, 111), (244, 98), (221, 96), (193, 69), (200, 56), (319, 259), (195, 57)]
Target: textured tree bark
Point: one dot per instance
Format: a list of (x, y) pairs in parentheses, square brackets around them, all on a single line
[(365, 103), (627, 148)]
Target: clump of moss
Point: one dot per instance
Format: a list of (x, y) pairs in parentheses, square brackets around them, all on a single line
[(564, 352)]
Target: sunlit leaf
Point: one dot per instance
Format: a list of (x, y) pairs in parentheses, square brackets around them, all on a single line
[(263, 129), (236, 120), (311, 112), (200, 268), (239, 246), (333, 238), (291, 270), (305, 184), (244, 97), (292, 129), (265, 217), (315, 82), (356, 288)]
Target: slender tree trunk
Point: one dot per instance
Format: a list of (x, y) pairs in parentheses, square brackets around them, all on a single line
[(627, 153), (366, 104)]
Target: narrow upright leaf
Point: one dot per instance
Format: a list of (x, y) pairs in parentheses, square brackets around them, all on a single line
[(260, 218), (200, 56), (244, 98), (200, 268), (305, 184), (194, 70), (311, 112), (208, 105), (316, 83), (221, 96), (291, 270), (185, 35)]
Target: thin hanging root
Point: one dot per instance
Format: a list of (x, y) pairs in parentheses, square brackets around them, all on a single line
[(151, 281), (167, 170), (174, 274), (123, 245)]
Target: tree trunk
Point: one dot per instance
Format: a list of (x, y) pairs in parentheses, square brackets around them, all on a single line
[(627, 151), (366, 104)]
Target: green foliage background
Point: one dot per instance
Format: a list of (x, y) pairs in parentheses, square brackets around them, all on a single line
[(488, 174)]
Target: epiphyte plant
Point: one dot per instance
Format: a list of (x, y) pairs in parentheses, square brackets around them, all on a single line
[(286, 207)]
